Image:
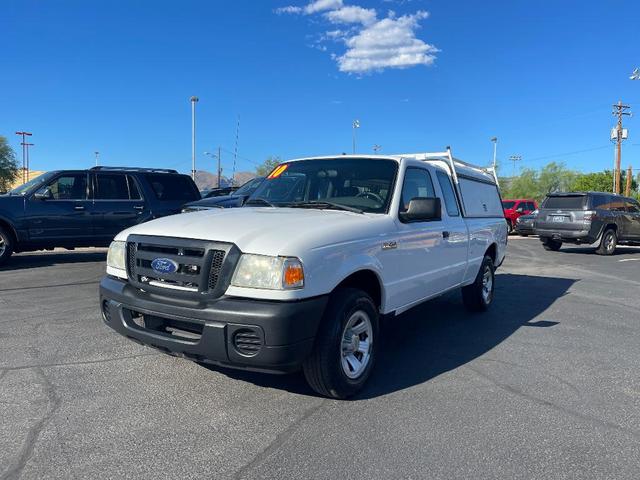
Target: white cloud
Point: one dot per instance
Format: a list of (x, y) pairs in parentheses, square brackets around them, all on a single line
[(321, 6), (352, 14), (289, 9), (371, 44), (388, 43), (312, 7)]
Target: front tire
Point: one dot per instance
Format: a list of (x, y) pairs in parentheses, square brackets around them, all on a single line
[(478, 296), (346, 345), (6, 245), (608, 243)]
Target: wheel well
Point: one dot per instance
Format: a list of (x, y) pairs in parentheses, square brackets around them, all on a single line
[(364, 280), (610, 225), (9, 229), (492, 251)]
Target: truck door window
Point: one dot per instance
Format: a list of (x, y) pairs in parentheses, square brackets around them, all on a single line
[(417, 183), (449, 195), (69, 187)]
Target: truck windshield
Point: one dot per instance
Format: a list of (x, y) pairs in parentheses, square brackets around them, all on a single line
[(36, 182), (357, 184)]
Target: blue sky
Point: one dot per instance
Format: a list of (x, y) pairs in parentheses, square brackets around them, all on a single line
[(116, 76)]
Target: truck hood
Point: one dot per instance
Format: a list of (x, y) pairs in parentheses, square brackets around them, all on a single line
[(268, 231)]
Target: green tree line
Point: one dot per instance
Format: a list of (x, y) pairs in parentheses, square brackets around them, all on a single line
[(555, 177)]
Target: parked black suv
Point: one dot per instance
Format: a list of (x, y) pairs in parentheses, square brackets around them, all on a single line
[(587, 218), (87, 208)]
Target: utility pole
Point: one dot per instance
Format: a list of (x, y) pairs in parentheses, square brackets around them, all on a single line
[(193, 101), (24, 154), (619, 110), (97, 155), (627, 189), (514, 159), (356, 125), (27, 145)]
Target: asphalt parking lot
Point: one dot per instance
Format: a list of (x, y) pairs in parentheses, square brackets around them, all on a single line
[(546, 385)]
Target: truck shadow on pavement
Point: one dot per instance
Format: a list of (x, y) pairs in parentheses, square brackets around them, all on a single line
[(440, 335), (21, 262)]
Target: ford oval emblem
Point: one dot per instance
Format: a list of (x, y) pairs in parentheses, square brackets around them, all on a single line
[(164, 265)]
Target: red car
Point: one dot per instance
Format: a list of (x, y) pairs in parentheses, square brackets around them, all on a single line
[(516, 208)]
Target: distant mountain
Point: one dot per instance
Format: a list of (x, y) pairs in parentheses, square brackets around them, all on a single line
[(205, 179)]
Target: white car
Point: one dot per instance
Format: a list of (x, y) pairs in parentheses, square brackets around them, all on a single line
[(299, 276)]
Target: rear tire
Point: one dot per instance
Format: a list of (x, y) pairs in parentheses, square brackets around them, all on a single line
[(478, 296), (346, 345), (608, 243), (552, 245), (6, 245)]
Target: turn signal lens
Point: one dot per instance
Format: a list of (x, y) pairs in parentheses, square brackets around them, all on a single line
[(293, 274)]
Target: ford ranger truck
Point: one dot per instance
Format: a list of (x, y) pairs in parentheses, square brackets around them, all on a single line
[(299, 277)]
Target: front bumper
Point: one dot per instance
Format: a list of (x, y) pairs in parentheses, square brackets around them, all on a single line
[(239, 333)]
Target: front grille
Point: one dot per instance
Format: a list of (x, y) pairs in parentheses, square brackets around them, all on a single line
[(216, 266), (188, 266), (247, 342)]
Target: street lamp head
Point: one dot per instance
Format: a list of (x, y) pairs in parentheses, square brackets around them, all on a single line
[(494, 139), (194, 99), (635, 75)]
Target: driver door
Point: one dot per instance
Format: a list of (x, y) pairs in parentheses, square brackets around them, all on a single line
[(60, 211)]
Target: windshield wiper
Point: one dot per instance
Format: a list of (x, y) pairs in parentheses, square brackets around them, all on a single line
[(258, 201), (323, 204)]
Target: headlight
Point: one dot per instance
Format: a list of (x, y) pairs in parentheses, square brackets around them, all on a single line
[(117, 259), (272, 273)]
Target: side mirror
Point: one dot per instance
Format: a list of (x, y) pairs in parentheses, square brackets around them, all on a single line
[(43, 194), (422, 209), (520, 209)]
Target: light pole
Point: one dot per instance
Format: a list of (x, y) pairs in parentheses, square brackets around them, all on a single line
[(376, 148), (356, 125), (219, 157), (25, 147), (97, 154), (495, 152), (193, 101), (514, 159)]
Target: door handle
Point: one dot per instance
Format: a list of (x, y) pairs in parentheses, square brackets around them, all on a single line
[(78, 207), (139, 207), (445, 234)]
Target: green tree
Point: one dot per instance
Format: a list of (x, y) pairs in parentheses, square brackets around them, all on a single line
[(601, 182), (8, 165), (267, 166), (554, 177), (594, 182)]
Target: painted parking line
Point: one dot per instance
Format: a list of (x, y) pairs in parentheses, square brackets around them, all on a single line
[(630, 260)]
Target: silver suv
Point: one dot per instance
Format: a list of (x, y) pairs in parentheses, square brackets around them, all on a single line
[(603, 219)]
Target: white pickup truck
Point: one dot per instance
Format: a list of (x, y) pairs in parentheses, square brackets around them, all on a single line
[(301, 274)]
